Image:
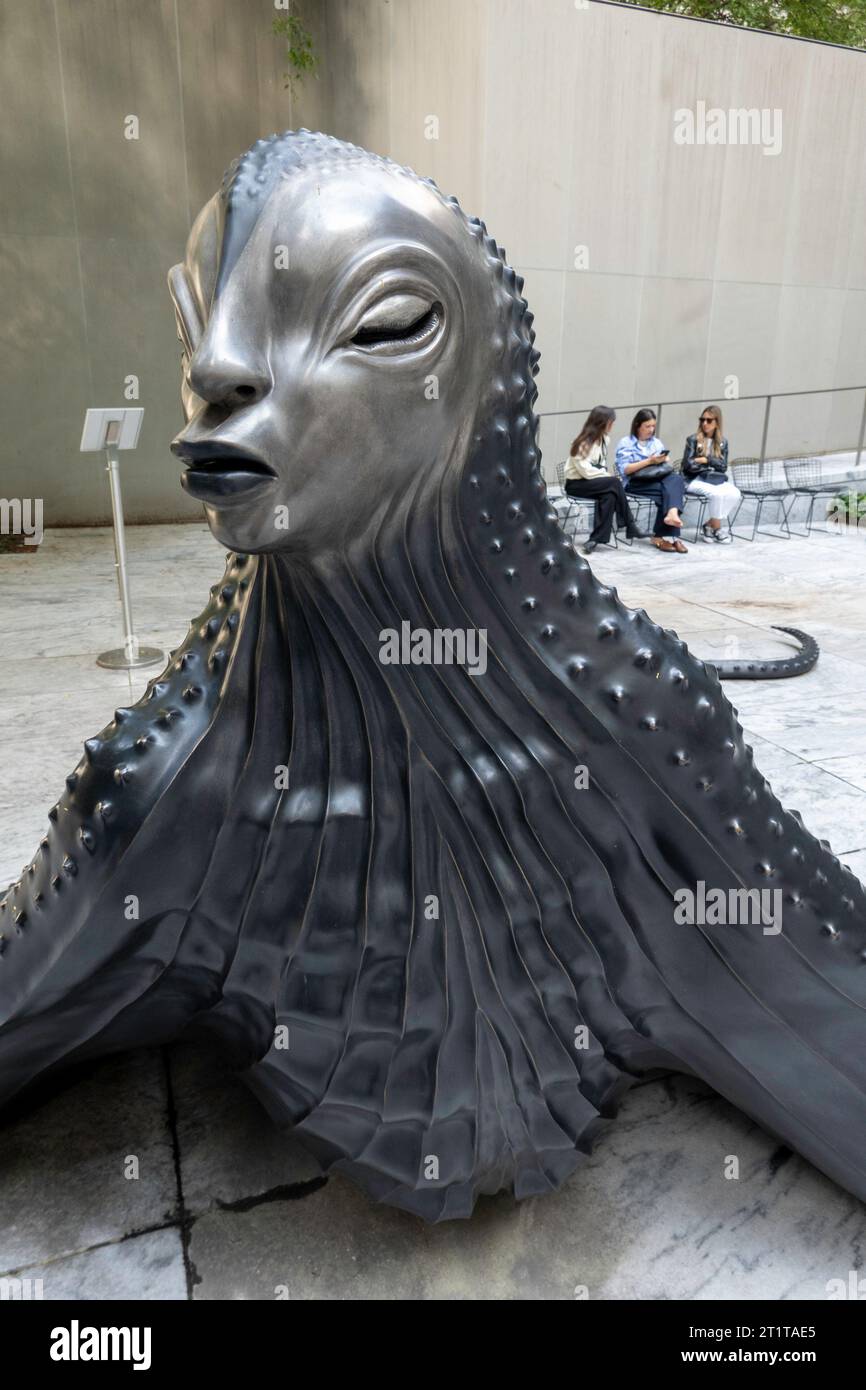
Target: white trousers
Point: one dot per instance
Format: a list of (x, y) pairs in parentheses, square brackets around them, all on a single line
[(721, 497)]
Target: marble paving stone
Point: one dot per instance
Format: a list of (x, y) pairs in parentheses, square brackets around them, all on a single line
[(147, 1267), (856, 862), (67, 675), (795, 606), (712, 636), (769, 757), (727, 584), (80, 629), (756, 702), (776, 716), (820, 732), (229, 1148), (63, 601), (850, 767), (650, 1215), (62, 1162)]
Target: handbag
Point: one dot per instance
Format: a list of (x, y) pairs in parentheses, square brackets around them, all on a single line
[(653, 473)]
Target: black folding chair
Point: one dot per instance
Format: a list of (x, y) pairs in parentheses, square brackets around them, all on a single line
[(753, 479)]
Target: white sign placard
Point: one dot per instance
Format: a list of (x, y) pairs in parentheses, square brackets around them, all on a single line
[(97, 428)]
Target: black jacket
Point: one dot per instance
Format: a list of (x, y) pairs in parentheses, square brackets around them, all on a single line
[(709, 470)]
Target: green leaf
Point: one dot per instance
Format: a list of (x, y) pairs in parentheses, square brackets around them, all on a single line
[(300, 52), (833, 21)]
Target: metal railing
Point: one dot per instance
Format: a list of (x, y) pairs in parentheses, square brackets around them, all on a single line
[(768, 404)]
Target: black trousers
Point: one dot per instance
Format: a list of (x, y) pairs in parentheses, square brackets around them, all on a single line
[(610, 500), (666, 493)]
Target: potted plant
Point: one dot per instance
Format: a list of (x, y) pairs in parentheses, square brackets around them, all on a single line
[(847, 509)]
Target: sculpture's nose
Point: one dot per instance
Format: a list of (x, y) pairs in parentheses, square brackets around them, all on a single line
[(223, 374)]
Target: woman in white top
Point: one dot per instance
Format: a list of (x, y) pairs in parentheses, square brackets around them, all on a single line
[(587, 475)]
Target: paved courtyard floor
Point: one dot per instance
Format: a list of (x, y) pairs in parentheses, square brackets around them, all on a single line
[(224, 1207)]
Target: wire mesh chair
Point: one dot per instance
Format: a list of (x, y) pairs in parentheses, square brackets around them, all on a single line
[(755, 482), (643, 509), (694, 499), (806, 478), (572, 509)]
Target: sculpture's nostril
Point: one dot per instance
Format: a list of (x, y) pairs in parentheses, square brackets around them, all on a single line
[(228, 381)]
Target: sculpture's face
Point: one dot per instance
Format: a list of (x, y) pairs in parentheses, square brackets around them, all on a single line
[(327, 362)]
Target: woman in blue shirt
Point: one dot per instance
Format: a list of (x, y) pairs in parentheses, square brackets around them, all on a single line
[(636, 452)]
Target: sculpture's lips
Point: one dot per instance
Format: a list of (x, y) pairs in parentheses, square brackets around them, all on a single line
[(218, 473)]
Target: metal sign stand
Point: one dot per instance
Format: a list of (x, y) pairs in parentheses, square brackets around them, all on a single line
[(114, 430), (131, 654)]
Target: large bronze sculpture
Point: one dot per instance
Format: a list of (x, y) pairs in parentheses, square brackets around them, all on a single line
[(409, 820)]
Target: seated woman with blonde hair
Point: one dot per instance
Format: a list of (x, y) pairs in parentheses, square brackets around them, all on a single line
[(587, 474), (705, 469)]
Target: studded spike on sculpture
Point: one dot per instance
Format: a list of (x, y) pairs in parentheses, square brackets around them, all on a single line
[(428, 906)]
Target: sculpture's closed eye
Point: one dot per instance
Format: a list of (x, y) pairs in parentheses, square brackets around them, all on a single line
[(399, 323)]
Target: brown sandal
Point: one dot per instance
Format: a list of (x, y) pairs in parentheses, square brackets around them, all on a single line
[(679, 548), (661, 544)]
